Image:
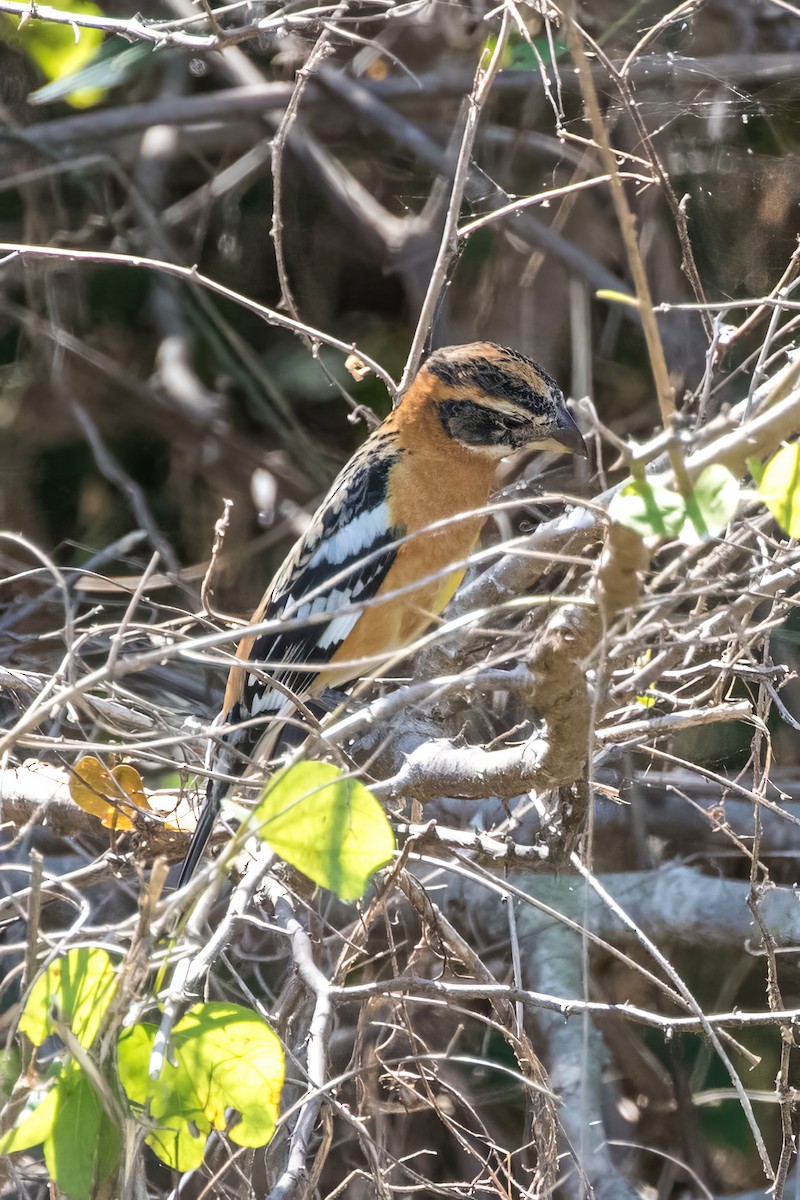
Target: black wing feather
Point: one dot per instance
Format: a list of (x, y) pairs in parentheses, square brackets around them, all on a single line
[(345, 576), (340, 561)]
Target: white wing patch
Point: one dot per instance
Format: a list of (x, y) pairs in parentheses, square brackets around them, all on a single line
[(267, 701), (338, 630), (358, 534), (327, 602)]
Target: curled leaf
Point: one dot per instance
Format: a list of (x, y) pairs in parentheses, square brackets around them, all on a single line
[(110, 795)]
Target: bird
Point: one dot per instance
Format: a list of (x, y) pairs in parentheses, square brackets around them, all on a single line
[(386, 549)]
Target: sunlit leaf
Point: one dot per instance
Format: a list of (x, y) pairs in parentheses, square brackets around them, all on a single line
[(107, 794), (650, 511), (33, 1124), (714, 500), (717, 492), (82, 1149), (59, 50), (224, 1071), (756, 469), (327, 825), (76, 990), (780, 488), (175, 1106), (81, 1145), (653, 511)]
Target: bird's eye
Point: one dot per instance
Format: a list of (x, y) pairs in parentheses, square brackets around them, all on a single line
[(508, 429), (477, 424)]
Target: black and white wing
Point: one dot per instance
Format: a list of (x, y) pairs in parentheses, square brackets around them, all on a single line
[(321, 590)]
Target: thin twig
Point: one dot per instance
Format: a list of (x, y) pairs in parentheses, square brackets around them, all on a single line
[(193, 276), (484, 78), (627, 226)]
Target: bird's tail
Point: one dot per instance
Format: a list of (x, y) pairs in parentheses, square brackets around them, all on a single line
[(238, 748), (231, 754), (208, 816)]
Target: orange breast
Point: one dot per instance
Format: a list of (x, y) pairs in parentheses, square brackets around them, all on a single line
[(435, 481)]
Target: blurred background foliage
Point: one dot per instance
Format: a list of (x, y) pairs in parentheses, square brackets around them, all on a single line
[(191, 395)]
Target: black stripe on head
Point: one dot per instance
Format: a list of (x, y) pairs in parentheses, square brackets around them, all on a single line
[(496, 371), (517, 356), (476, 425)]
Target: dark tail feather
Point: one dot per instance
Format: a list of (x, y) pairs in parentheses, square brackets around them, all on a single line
[(202, 833), (246, 744), (228, 753)]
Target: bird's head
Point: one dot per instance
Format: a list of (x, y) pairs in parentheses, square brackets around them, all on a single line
[(495, 400)]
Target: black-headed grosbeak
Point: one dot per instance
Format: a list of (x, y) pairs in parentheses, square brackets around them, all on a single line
[(384, 553)]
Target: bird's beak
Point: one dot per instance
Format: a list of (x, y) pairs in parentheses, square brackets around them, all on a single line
[(569, 436)]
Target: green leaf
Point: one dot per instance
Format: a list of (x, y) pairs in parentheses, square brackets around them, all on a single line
[(525, 53), (81, 1146), (174, 1104), (326, 825), (222, 1057), (647, 510), (756, 469), (76, 989), (59, 50), (10, 1068), (712, 504), (653, 511), (779, 488), (33, 1124)]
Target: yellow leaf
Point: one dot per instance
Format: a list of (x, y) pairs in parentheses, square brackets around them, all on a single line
[(60, 50), (780, 488), (225, 1071), (108, 795), (327, 825)]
